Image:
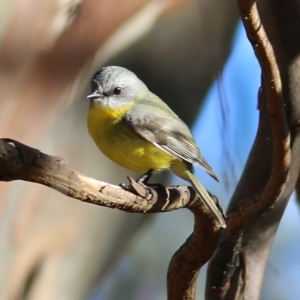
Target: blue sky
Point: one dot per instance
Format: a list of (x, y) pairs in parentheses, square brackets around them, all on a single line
[(236, 90)]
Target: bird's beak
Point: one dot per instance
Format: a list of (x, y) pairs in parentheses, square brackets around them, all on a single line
[(95, 95)]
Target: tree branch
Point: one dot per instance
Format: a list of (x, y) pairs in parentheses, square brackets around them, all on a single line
[(186, 263), (20, 162), (271, 92), (229, 271)]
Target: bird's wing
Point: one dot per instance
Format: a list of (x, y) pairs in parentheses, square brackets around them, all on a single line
[(158, 124)]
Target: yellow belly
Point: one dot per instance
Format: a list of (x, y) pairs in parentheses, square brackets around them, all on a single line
[(123, 145)]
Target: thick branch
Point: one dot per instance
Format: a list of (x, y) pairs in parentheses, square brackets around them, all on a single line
[(272, 93), (20, 162), (243, 213), (186, 263)]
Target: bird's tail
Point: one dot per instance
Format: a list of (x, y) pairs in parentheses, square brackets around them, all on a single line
[(206, 198)]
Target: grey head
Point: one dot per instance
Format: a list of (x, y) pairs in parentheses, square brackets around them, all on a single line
[(115, 87)]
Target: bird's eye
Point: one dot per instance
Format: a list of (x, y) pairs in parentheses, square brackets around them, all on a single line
[(117, 91)]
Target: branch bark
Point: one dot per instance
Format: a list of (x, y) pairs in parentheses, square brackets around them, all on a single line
[(20, 162), (256, 208)]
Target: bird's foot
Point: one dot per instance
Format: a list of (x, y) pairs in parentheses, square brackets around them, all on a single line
[(143, 180), (139, 186)]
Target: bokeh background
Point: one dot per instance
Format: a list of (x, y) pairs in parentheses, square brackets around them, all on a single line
[(194, 55)]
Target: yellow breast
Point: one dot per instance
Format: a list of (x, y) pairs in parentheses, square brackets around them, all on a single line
[(122, 144)]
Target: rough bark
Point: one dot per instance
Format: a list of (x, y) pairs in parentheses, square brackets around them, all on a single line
[(20, 162), (272, 170)]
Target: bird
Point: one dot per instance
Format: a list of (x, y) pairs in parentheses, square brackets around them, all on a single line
[(137, 130)]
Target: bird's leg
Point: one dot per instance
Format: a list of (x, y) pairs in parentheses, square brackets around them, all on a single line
[(145, 177), (140, 185), (141, 180)]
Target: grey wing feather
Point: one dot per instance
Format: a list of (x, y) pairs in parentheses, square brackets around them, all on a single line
[(157, 123)]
